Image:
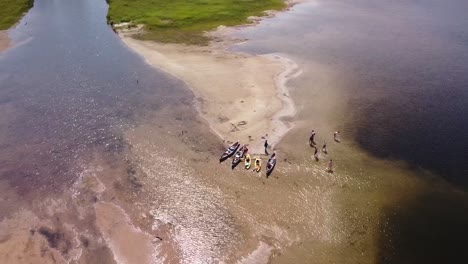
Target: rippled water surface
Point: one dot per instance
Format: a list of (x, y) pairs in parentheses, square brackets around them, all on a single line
[(391, 75), (70, 86), (70, 95), (402, 68)]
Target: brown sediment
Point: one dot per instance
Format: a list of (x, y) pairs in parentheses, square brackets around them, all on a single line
[(4, 40), (128, 243), (85, 224), (20, 243)]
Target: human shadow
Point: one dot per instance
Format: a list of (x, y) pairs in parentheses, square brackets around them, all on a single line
[(224, 158)]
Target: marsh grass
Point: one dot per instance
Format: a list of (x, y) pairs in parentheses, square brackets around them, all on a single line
[(11, 11), (184, 21)]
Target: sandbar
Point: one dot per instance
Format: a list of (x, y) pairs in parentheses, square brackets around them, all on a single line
[(243, 97), (4, 40)]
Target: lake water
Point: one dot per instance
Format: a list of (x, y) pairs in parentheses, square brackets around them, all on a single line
[(86, 125), (403, 68), (391, 76), (70, 86)]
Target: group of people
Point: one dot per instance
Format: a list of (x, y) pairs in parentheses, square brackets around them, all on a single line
[(314, 145), (324, 148)]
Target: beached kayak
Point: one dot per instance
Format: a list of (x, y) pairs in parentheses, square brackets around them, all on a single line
[(271, 164), (258, 165), (228, 153), (247, 162), (239, 156)]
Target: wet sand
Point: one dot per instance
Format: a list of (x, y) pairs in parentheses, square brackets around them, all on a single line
[(243, 97), (224, 214), (127, 242), (4, 40)]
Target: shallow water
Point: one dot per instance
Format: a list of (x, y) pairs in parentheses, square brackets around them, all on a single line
[(87, 125), (70, 86), (402, 71), (391, 77), (69, 91), (83, 116)]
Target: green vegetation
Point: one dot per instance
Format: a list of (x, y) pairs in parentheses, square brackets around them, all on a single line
[(184, 21), (11, 11)]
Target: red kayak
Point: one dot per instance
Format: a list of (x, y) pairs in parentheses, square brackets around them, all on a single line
[(239, 156)]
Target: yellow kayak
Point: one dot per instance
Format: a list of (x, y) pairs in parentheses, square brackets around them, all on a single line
[(247, 162), (258, 164)]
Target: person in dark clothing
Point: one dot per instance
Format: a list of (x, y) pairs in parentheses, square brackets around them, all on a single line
[(316, 154), (266, 146), (311, 138), (324, 147)]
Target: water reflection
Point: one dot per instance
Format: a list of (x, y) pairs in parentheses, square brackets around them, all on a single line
[(70, 86)]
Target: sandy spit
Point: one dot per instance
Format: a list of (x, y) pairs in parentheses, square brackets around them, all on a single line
[(4, 40), (242, 96), (128, 243)]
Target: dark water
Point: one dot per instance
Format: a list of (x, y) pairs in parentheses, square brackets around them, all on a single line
[(404, 65), (68, 89), (430, 227)]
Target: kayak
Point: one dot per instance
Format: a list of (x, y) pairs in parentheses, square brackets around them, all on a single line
[(258, 165), (228, 153), (271, 164), (239, 155), (247, 162)]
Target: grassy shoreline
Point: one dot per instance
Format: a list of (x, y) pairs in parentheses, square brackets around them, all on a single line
[(11, 11), (185, 21)]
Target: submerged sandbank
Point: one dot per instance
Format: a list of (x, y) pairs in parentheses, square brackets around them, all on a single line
[(242, 96), (4, 40)]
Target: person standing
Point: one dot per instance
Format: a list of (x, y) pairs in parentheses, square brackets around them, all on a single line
[(324, 147), (335, 136), (330, 166), (311, 138), (316, 154), (266, 146)]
